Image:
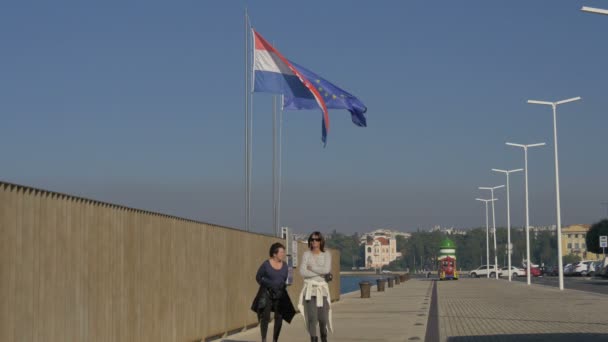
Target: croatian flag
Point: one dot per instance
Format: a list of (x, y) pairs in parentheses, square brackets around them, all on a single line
[(301, 88)]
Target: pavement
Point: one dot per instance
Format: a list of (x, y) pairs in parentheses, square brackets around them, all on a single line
[(496, 310), (463, 310), (399, 313), (589, 284)]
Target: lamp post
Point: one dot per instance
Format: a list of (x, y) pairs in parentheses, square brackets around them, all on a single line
[(493, 223), (487, 236), (509, 248), (525, 147), (558, 209)]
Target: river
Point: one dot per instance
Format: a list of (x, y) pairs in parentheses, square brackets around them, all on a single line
[(350, 283)]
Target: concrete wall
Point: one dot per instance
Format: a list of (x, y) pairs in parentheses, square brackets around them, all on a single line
[(74, 269)]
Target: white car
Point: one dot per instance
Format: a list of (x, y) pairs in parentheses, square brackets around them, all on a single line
[(482, 271), (582, 267), (593, 268), (515, 272)]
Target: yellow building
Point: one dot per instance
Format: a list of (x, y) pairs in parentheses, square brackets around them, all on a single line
[(573, 242)]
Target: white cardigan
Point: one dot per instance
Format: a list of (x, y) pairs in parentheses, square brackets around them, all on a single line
[(314, 282), (319, 289)]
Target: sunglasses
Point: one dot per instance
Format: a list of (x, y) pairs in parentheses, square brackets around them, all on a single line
[(315, 239)]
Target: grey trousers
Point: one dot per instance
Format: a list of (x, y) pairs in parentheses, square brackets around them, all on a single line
[(315, 314)]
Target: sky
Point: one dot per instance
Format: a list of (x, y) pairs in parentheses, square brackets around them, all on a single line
[(142, 104)]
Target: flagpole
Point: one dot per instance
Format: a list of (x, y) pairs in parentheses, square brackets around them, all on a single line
[(275, 168), (246, 121), (274, 165), (280, 167), (252, 47)]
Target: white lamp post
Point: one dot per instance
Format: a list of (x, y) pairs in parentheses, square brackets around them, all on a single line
[(594, 10), (558, 209), (487, 236), (509, 248), (525, 147), (493, 223)]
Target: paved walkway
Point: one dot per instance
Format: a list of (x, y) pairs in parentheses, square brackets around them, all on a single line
[(398, 314), (491, 310), (464, 310)]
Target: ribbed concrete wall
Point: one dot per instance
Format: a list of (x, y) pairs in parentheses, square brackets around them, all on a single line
[(74, 269)]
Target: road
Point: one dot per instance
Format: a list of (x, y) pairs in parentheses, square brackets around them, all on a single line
[(591, 284)]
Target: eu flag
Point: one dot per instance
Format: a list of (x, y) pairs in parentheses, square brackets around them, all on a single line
[(334, 96)]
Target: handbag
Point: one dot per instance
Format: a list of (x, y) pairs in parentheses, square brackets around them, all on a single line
[(328, 277)]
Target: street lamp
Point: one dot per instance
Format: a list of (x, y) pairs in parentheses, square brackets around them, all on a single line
[(493, 223), (525, 147), (558, 209), (509, 248), (594, 10), (487, 236)]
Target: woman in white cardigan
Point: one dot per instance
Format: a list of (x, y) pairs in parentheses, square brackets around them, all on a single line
[(315, 301)]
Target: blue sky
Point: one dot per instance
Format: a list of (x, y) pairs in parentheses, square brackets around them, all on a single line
[(141, 104)]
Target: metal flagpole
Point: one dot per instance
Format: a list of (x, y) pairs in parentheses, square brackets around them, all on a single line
[(280, 161), (246, 121), (250, 143), (274, 165)]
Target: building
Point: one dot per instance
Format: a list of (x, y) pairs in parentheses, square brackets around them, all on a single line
[(383, 232), (380, 251), (448, 231), (538, 229), (573, 241)]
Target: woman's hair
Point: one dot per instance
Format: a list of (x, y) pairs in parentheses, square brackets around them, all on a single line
[(274, 249), (320, 236)]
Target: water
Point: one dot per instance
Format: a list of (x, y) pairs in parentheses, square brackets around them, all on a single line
[(350, 283)]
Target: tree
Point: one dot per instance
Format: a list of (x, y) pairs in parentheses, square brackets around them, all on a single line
[(571, 259), (401, 242), (544, 248), (593, 236), (349, 247)]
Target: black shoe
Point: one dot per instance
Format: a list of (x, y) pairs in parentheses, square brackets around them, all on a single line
[(314, 339), (324, 338)]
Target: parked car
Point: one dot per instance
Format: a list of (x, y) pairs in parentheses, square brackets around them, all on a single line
[(588, 268), (515, 272), (535, 271), (552, 271), (593, 268), (569, 269), (482, 271), (581, 268), (602, 268)]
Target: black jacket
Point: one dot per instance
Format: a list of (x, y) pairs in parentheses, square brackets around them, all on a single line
[(281, 300)]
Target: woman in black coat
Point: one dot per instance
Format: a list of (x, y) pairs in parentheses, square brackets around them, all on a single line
[(272, 295)]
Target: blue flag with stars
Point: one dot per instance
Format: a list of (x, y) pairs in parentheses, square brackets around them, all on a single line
[(334, 97)]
